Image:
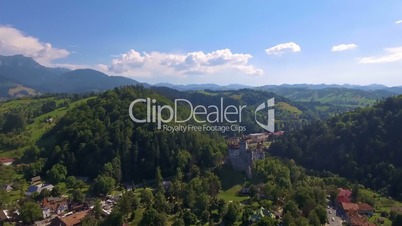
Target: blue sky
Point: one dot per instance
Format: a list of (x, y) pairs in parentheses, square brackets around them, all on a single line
[(210, 41)]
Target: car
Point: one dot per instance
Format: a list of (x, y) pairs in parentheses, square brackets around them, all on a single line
[(327, 207), (330, 212), (332, 219)]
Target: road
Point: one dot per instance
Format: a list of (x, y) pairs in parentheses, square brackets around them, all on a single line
[(331, 213)]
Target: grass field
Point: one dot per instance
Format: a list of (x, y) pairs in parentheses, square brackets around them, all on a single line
[(381, 204), (231, 182)]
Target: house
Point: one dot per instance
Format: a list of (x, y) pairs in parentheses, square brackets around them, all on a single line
[(349, 207), (344, 195), (70, 220), (245, 190), (53, 205), (354, 219), (261, 213), (8, 187), (36, 180), (365, 209), (32, 189), (38, 188), (78, 207), (6, 161), (4, 216)]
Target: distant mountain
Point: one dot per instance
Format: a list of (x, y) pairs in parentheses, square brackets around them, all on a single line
[(20, 75), (214, 87), (372, 87), (26, 71), (20, 71), (86, 80), (332, 95)]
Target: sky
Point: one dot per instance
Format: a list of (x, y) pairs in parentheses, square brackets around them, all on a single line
[(256, 42)]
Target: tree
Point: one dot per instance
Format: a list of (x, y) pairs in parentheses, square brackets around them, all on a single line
[(57, 190), (127, 203), (117, 173), (232, 214), (160, 203), (44, 193), (245, 217), (115, 218), (356, 192), (222, 208), (202, 203), (57, 174), (179, 222), (152, 217), (189, 217), (313, 219), (71, 182), (78, 196), (397, 221), (103, 185), (288, 219), (90, 221), (49, 106), (113, 169), (30, 212), (266, 221), (321, 213), (3, 197), (291, 207), (189, 197), (14, 122), (97, 209), (213, 184), (147, 198), (205, 216), (159, 180)]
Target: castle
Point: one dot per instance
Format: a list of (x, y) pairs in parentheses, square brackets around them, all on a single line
[(244, 151)]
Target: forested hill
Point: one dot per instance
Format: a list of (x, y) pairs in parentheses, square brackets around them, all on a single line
[(363, 145), (100, 133), (100, 136)]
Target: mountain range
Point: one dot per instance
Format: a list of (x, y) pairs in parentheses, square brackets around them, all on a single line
[(22, 76), (24, 73)]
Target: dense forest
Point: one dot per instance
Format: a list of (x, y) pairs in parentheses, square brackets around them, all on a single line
[(363, 145), (90, 136)]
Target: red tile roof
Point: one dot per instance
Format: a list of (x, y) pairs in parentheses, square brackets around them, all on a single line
[(357, 220), (6, 160), (349, 206), (75, 218), (365, 207), (344, 195)]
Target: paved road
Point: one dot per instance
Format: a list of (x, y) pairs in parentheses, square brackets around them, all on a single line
[(331, 213)]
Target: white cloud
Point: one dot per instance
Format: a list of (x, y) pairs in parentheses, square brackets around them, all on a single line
[(343, 47), (13, 41), (283, 48), (199, 63), (393, 55), (399, 22)]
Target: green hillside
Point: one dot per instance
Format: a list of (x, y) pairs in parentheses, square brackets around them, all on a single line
[(14, 143)]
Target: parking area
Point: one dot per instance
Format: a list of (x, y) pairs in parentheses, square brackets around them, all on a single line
[(333, 218)]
